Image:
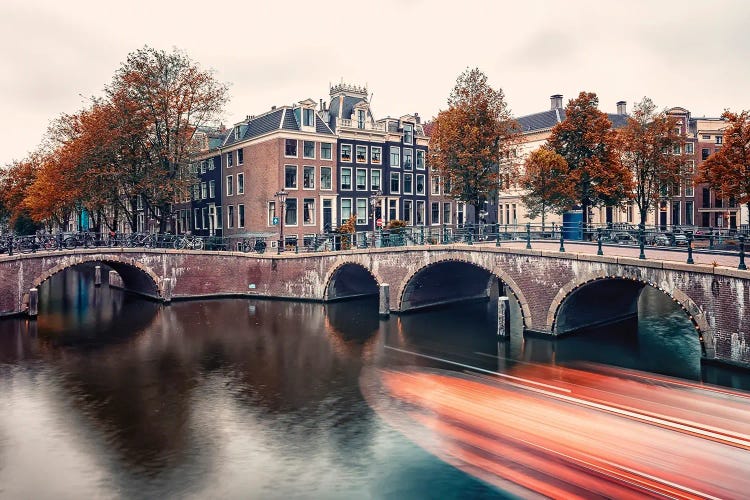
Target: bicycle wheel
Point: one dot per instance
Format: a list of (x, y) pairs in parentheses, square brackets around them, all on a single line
[(245, 246), (198, 244), (180, 243), (26, 245), (70, 242)]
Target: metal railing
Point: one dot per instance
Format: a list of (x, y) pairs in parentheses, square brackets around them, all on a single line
[(687, 239)]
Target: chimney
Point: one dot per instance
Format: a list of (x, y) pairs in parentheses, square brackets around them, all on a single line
[(556, 101), (621, 108), (321, 104), (417, 118)]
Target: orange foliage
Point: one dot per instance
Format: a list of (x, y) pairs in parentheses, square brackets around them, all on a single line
[(548, 183)]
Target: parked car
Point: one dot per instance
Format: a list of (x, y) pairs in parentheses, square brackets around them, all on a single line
[(623, 238), (680, 239), (659, 239)]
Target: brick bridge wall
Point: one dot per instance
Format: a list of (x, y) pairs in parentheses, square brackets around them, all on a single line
[(713, 297)]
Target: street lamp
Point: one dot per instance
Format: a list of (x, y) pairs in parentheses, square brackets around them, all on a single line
[(375, 198), (281, 196)]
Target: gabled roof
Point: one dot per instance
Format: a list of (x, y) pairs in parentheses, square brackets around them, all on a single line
[(545, 120), (278, 119)]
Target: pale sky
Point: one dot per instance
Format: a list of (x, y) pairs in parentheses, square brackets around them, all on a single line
[(694, 54)]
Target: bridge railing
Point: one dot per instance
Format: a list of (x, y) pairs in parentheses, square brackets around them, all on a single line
[(685, 238)]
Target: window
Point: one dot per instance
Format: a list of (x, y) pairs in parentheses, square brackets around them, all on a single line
[(436, 184), (271, 212), (308, 117), (392, 210), (395, 156), (230, 216), (408, 133), (290, 176), (361, 154), (689, 189), (230, 159), (240, 183), (361, 179), (308, 177), (408, 215), (204, 190), (719, 139), (420, 184), (325, 151), (230, 185), (395, 182), (212, 189), (690, 166), (420, 159), (447, 186), (308, 149), (346, 178), (361, 211), (408, 183), (435, 209), (676, 149), (706, 136), (203, 166), (420, 213), (346, 153), (308, 211), (240, 215), (408, 156), (290, 147), (346, 209), (290, 217), (689, 213), (376, 154), (219, 220), (211, 165), (360, 118), (705, 152), (325, 177), (240, 156), (375, 180), (197, 218), (237, 130), (196, 195), (446, 213), (689, 148)]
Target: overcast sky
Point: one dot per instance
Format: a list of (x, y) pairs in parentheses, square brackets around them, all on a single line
[(694, 54)]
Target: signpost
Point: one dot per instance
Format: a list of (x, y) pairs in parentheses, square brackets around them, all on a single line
[(379, 222), (275, 221)]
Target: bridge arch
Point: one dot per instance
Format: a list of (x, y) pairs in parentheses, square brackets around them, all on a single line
[(627, 288), (136, 277), (349, 279), (496, 272)]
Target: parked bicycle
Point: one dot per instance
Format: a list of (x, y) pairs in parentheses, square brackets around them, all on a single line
[(186, 241)]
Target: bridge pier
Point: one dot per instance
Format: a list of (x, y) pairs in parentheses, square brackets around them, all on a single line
[(384, 307), (166, 287), (98, 276), (33, 303), (115, 280), (503, 317)]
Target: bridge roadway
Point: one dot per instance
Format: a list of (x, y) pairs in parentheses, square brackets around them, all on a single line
[(556, 292)]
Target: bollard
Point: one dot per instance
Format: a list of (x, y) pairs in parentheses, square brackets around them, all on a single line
[(641, 243), (384, 307), (711, 240), (742, 266), (503, 317), (98, 276), (599, 241), (690, 248), (166, 290), (10, 245), (528, 236), (562, 241), (33, 303), (497, 237)]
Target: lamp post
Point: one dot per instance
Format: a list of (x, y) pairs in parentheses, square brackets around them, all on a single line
[(375, 199), (281, 196)]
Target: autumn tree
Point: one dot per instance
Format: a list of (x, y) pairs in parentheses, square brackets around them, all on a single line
[(15, 181), (162, 98), (547, 182), (471, 141), (728, 169), (586, 141), (651, 149)]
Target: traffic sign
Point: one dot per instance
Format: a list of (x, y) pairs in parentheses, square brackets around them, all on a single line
[(275, 221), (379, 222)]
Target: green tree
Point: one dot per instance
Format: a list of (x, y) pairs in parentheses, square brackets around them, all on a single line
[(471, 141), (548, 184), (588, 144), (651, 149)]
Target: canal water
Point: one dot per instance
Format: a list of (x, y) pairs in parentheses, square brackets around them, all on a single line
[(110, 396)]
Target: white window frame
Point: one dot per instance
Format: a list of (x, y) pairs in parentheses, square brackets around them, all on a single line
[(450, 212), (330, 151), (330, 186), (356, 153), (362, 221), (314, 173), (240, 184), (296, 177), (341, 180), (391, 151), (240, 156), (270, 212), (356, 179), (420, 203), (411, 133), (410, 220), (689, 148), (230, 185), (405, 156), (372, 155), (212, 189), (296, 149), (351, 208), (286, 212), (380, 179), (435, 183), (416, 185), (351, 153), (439, 207), (403, 183), (390, 183), (230, 159), (312, 223), (304, 155), (230, 216), (241, 218), (423, 154)]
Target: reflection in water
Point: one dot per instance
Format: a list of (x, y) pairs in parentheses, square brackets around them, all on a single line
[(112, 395)]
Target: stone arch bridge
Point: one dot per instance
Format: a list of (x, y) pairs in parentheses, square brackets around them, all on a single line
[(557, 292)]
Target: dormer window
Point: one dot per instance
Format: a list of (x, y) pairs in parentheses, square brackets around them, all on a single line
[(308, 117), (408, 133), (236, 132), (360, 118)]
